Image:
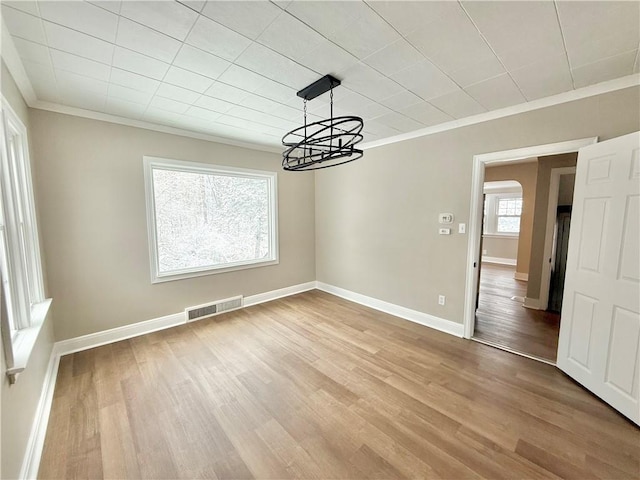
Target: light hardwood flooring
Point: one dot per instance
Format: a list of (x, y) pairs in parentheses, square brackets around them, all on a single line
[(313, 386), (503, 321)]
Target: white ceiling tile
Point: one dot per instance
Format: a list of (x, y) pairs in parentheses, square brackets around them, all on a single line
[(23, 25), (609, 45), (476, 71), (380, 129), (425, 80), (399, 122), (366, 35), (72, 41), (203, 113), (223, 91), (260, 103), (409, 16), (84, 100), (163, 117), (401, 100), (171, 18), (69, 82), (40, 76), (194, 4), (288, 113), (177, 93), (80, 65), (123, 108), (368, 82), (199, 61), (497, 92), (129, 94), (451, 42), (606, 69), (214, 104), (249, 18), (276, 91), (249, 114), (372, 110), (394, 57), (32, 51), (528, 53), (327, 17), (138, 63), (275, 66), (186, 79), (507, 24), (82, 16), (328, 58), (217, 39), (133, 80), (144, 40), (457, 104), (290, 37), (426, 114), (547, 77), (168, 104), (30, 7), (583, 22), (111, 5)]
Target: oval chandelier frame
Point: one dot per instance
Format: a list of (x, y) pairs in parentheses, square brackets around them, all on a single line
[(325, 143)]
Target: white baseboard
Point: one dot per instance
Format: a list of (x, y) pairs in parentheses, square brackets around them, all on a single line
[(105, 337), (275, 294), (533, 304), (498, 260), (35, 444), (521, 276), (425, 319)]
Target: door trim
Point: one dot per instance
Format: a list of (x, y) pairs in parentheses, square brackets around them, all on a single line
[(475, 213), (552, 207)]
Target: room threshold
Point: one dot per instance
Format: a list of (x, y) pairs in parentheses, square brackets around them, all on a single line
[(510, 350)]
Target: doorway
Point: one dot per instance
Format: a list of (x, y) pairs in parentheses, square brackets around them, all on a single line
[(495, 310)]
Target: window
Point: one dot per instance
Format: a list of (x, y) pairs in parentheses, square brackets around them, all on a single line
[(206, 219), (502, 213), (20, 267), (508, 215)]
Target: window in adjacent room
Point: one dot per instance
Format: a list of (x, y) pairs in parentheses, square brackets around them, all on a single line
[(502, 213), (24, 307), (206, 219)]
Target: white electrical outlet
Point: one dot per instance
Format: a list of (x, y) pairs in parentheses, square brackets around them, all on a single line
[(441, 299), (462, 228)]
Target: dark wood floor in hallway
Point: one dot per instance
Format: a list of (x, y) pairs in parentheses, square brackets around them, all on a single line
[(314, 386), (503, 321)]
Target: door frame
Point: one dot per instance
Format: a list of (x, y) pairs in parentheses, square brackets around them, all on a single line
[(552, 208), (475, 212)]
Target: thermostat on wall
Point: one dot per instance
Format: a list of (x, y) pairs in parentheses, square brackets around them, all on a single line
[(445, 218)]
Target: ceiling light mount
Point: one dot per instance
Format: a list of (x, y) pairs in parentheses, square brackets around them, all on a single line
[(325, 143)]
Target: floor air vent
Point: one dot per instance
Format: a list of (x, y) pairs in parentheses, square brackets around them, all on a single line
[(209, 309)]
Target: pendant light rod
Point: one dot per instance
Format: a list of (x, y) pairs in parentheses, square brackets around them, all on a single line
[(319, 87)]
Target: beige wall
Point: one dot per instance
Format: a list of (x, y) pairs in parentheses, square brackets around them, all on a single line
[(545, 164), (91, 193), (565, 189), (500, 247), (19, 401), (525, 174), (377, 218)]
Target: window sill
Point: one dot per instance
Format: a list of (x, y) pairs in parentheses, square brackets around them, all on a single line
[(168, 277), (25, 339), (513, 236)]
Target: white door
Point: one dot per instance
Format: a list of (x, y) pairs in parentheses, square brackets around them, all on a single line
[(599, 342)]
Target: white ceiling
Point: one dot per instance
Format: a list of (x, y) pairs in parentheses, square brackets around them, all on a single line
[(232, 69)]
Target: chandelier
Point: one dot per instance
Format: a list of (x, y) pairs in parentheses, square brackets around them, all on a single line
[(325, 143)]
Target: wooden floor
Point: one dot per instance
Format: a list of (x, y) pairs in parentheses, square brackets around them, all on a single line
[(313, 386), (503, 321)]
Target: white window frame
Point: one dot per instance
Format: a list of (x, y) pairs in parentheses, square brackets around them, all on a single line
[(151, 163), (24, 307), (491, 217)]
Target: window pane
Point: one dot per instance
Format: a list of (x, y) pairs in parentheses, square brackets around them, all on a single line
[(509, 224), (509, 206), (208, 220)]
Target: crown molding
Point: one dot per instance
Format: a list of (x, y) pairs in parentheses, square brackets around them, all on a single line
[(107, 117), (584, 92)]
